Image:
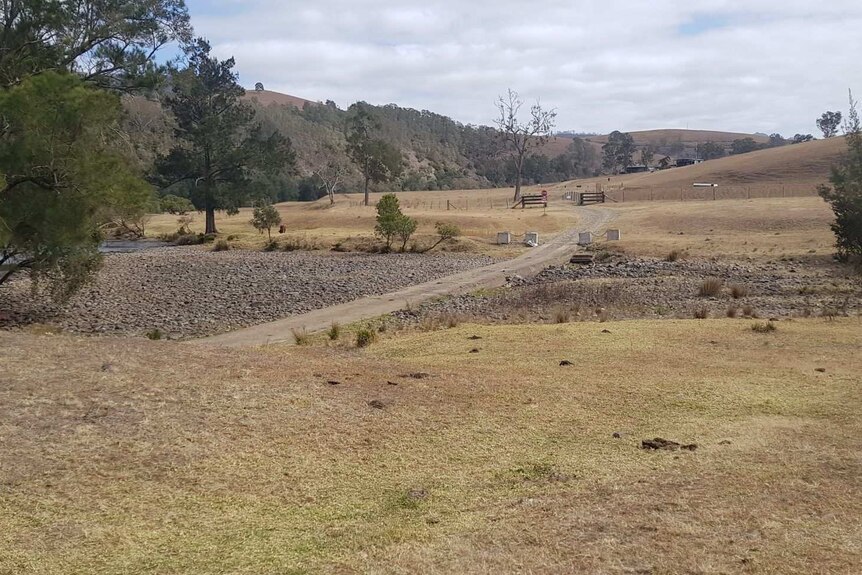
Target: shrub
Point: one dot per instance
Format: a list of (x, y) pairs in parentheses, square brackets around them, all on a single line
[(562, 315), (270, 246), (701, 312), (221, 246), (710, 287), (748, 311), (189, 240), (334, 332), (300, 336), (392, 223), (154, 334), (763, 327), (365, 337), (673, 256), (445, 232), (737, 291), (732, 311), (265, 218), (175, 205), (845, 193)]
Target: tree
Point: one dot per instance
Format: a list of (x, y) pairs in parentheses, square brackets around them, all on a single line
[(647, 154), (744, 146), (376, 159), (329, 168), (392, 223), (175, 205), (828, 123), (219, 148), (802, 138), (111, 43), (711, 151), (617, 152), (776, 140), (265, 218), (258, 87), (845, 194), (445, 232), (61, 178), (520, 137)]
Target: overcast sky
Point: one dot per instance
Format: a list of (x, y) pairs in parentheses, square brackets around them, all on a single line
[(737, 65)]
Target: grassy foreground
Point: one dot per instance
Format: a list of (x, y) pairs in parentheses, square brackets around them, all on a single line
[(154, 457)]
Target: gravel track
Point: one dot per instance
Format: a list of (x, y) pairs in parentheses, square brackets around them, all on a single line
[(188, 292)]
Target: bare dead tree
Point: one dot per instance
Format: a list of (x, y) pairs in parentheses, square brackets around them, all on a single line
[(330, 168), (519, 138)]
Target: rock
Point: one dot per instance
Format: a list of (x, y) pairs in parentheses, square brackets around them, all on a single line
[(333, 382), (108, 368), (606, 331), (474, 350), (724, 442), (820, 369), (617, 435), (376, 404), (565, 363), (391, 383)]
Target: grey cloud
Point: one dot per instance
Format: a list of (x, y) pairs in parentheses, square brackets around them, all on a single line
[(772, 65)]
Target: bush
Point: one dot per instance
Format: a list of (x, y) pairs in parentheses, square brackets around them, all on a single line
[(737, 291), (562, 315), (748, 311), (154, 334), (732, 311), (221, 246), (446, 232), (392, 223), (176, 205), (365, 337), (845, 194), (270, 246), (763, 327), (265, 218), (701, 312), (710, 287), (300, 336), (673, 256), (334, 332)]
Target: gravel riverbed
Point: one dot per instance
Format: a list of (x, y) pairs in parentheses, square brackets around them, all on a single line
[(188, 292)]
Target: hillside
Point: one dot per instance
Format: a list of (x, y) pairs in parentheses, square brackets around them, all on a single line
[(266, 98), (687, 137), (805, 164)]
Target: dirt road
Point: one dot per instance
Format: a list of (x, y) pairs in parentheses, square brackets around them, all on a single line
[(556, 251)]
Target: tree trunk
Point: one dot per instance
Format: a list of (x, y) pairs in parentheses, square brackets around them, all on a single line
[(520, 169), (331, 197), (366, 191), (210, 220)]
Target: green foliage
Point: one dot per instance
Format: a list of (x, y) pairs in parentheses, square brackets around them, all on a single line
[(61, 178), (177, 205), (221, 246), (617, 152), (445, 231), (219, 148), (111, 43), (802, 138), (334, 332), (154, 334), (845, 193), (265, 218), (744, 146), (828, 123), (392, 223), (377, 160)]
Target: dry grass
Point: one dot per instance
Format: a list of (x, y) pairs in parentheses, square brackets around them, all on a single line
[(738, 291), (480, 214), (711, 287), (762, 229), (154, 457)]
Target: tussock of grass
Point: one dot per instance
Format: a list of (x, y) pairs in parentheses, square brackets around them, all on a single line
[(300, 336), (765, 327), (711, 287)]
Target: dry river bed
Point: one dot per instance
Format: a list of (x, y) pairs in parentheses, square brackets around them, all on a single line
[(635, 288), (187, 291)]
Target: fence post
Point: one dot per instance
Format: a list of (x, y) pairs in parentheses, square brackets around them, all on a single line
[(447, 205)]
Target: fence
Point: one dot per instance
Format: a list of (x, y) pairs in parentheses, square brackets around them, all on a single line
[(682, 194), (619, 194)]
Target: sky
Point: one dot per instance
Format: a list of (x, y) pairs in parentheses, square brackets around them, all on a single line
[(732, 65)]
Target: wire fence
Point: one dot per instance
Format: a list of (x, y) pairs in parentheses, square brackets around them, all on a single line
[(619, 194)]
